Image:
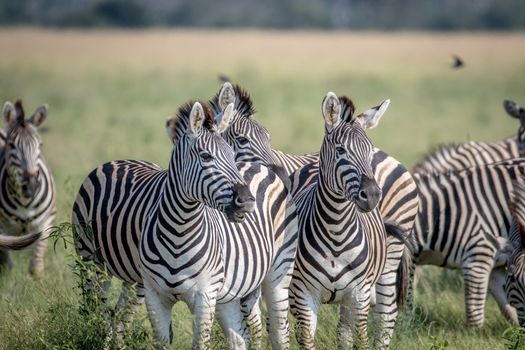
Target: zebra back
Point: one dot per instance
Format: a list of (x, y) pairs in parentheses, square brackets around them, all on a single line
[(464, 155)]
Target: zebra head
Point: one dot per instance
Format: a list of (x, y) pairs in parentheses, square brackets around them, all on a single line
[(205, 164), (514, 250), (23, 148), (516, 111), (249, 139), (346, 153)]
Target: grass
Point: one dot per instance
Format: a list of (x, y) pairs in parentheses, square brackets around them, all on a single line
[(109, 93)]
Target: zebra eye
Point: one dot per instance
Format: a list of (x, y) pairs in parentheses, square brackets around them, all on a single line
[(205, 156), (242, 140), (340, 150)]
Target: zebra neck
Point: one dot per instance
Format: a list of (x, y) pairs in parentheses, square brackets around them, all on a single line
[(175, 208), (338, 214)]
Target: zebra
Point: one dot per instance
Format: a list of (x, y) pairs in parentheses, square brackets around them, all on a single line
[(514, 249), (27, 203), (117, 199), (462, 216), (459, 156), (399, 203), (342, 238)]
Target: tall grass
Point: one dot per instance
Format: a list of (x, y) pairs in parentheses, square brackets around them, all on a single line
[(110, 92)]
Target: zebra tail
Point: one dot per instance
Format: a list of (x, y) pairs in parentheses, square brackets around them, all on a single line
[(17, 243), (403, 277)]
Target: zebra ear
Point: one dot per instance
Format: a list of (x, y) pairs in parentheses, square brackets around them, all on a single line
[(170, 128), (9, 114), (331, 111), (513, 109), (196, 118), (39, 117), (223, 120), (370, 118), (226, 95)]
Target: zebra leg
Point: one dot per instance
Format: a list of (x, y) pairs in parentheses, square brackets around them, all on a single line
[(476, 279), (385, 292), (128, 303), (275, 294), (352, 326), (159, 312), (497, 289), (5, 260), (250, 308), (305, 308), (203, 307), (36, 265), (385, 309), (232, 322)]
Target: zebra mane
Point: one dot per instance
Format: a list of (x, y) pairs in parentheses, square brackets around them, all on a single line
[(243, 102), (347, 109), (179, 123), (517, 208)]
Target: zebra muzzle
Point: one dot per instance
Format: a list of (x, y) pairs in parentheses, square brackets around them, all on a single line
[(243, 203), (368, 195)]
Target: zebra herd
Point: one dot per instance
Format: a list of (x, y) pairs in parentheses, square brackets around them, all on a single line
[(232, 222)]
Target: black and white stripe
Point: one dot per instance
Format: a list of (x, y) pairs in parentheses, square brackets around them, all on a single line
[(27, 201), (342, 241), (462, 216), (514, 249)]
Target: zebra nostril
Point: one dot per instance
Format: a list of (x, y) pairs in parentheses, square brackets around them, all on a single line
[(240, 200), (363, 195)]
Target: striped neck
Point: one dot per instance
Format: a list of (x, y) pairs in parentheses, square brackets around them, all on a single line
[(338, 214), (175, 208)]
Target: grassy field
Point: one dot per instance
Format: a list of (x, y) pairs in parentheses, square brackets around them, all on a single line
[(109, 93)]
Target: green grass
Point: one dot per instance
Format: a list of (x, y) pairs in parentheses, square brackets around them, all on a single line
[(110, 92)]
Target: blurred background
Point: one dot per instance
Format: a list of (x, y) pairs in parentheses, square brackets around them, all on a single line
[(285, 14), (113, 70)]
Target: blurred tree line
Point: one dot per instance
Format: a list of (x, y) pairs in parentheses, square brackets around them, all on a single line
[(283, 14)]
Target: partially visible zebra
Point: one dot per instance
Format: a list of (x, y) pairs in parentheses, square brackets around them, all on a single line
[(27, 203), (462, 216), (460, 156), (514, 249), (399, 203), (342, 239), (463, 155)]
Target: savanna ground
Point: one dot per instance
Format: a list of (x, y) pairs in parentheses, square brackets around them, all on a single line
[(109, 93)]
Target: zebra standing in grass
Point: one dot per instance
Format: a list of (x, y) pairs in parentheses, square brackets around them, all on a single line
[(460, 156), (514, 249), (399, 203), (117, 198), (462, 216), (342, 239), (191, 252), (27, 203)]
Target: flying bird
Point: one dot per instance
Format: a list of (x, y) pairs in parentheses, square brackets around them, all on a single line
[(458, 62)]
